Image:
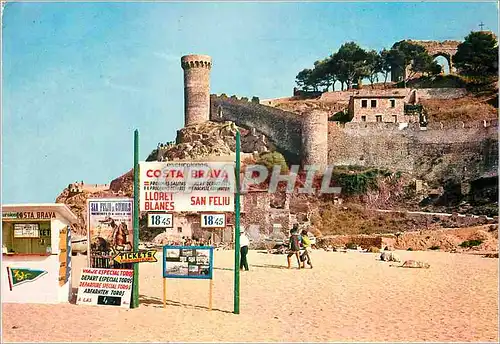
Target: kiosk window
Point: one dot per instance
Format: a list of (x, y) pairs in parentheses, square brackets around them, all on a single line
[(26, 238)]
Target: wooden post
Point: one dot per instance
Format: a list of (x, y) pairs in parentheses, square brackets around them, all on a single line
[(164, 292), (210, 296)]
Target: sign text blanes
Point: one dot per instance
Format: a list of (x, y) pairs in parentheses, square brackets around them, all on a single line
[(187, 186)]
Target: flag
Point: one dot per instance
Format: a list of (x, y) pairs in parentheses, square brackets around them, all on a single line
[(19, 276)]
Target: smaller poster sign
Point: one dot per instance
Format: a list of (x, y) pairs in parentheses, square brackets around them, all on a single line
[(213, 220), (160, 220), (64, 255), (107, 287), (26, 230), (188, 262), (136, 257)]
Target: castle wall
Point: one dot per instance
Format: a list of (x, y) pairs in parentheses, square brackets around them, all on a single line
[(465, 150), (275, 101), (369, 144), (281, 127), (423, 93), (442, 151), (441, 93), (344, 96)]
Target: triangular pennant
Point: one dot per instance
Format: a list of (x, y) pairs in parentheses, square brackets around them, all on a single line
[(19, 276)]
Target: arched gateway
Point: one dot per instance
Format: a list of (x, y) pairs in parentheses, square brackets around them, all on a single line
[(446, 49)]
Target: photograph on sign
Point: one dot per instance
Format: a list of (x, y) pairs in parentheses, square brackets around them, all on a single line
[(213, 220), (160, 220), (188, 262), (186, 186), (105, 287), (110, 229)]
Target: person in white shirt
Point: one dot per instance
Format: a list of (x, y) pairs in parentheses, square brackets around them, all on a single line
[(244, 242)]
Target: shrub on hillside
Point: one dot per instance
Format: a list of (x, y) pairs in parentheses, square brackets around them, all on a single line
[(351, 246), (271, 159), (470, 243)]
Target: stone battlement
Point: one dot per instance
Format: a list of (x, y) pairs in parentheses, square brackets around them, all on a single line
[(79, 187), (434, 126)]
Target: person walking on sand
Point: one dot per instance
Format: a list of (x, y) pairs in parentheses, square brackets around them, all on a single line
[(294, 245), (244, 242), (306, 243)]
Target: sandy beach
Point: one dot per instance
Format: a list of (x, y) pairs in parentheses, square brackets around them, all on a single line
[(346, 297)]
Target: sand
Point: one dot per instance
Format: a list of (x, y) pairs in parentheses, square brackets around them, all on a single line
[(346, 297)]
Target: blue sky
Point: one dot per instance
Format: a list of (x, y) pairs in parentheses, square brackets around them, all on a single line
[(78, 78)]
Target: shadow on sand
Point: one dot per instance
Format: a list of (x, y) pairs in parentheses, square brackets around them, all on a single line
[(155, 302), (269, 266), (226, 269)]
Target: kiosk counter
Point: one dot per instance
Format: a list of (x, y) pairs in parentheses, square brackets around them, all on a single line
[(36, 253)]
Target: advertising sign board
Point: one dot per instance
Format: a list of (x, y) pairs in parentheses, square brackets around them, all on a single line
[(187, 186), (110, 229), (107, 287), (26, 230), (188, 262)]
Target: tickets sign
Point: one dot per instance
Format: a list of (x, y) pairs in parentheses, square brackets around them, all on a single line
[(107, 287), (187, 186), (136, 257)]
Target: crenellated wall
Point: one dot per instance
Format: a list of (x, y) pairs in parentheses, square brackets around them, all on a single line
[(465, 150), (438, 152), (281, 127)]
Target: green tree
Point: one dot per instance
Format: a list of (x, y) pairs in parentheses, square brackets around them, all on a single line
[(351, 63), (385, 64), (334, 68), (415, 56), (303, 79), (477, 55), (373, 66), (309, 79), (322, 74)]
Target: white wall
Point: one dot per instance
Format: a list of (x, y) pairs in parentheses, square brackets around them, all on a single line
[(46, 288)]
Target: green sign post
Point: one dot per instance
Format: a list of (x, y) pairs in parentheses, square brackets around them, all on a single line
[(135, 285), (237, 229)]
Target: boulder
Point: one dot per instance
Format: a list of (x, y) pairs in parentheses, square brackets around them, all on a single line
[(390, 257)]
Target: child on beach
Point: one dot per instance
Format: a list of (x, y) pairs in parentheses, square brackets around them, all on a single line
[(294, 245), (306, 244)]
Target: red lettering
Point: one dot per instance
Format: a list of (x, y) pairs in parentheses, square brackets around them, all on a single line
[(219, 200), (153, 173), (197, 200), (168, 206)]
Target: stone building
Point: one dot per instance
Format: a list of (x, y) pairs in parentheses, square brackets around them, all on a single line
[(379, 108)]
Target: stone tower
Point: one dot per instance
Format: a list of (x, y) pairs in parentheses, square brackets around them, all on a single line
[(196, 88), (315, 139)]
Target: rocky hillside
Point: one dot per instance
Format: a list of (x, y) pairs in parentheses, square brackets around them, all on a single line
[(193, 142), (210, 139)]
